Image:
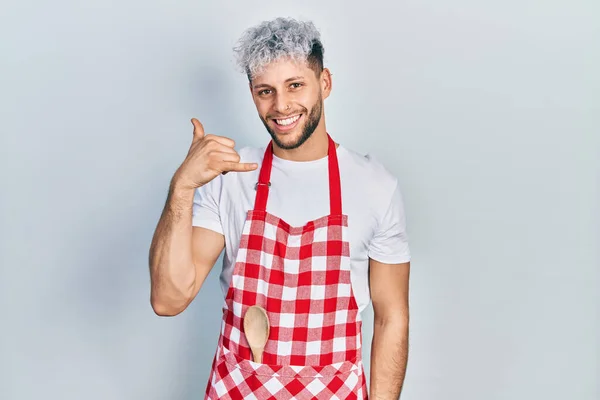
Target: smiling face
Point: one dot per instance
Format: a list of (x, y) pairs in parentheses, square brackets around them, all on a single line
[(289, 100)]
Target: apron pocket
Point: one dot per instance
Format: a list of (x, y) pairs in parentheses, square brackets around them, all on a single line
[(238, 377)]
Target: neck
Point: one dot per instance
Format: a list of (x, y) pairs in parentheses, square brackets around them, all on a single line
[(316, 147)]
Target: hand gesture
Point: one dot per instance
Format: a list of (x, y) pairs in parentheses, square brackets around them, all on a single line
[(209, 156)]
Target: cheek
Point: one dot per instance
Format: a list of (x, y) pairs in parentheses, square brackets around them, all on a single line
[(309, 99), (262, 107)]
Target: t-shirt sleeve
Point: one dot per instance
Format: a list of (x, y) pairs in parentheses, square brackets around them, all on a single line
[(205, 210), (389, 244)]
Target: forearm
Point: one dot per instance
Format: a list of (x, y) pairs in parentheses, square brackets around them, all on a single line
[(172, 271), (389, 356)]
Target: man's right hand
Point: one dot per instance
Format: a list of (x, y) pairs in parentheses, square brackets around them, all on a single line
[(209, 156)]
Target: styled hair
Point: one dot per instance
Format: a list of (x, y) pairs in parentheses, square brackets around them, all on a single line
[(276, 39)]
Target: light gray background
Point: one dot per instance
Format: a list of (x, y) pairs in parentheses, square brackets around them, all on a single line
[(488, 113)]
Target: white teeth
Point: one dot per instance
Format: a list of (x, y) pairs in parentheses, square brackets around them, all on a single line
[(287, 121)]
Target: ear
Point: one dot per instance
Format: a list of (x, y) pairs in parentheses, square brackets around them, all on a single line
[(326, 82)]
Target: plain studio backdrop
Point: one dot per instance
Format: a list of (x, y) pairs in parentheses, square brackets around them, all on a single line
[(487, 112)]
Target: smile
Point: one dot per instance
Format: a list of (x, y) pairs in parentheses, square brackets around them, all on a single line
[(288, 123)]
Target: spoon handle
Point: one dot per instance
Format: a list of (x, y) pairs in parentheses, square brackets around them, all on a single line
[(257, 354)]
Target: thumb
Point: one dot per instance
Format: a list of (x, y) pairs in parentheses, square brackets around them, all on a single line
[(198, 129)]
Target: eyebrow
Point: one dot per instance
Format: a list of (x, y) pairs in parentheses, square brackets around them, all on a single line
[(294, 78)]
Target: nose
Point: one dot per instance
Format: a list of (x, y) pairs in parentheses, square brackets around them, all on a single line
[(282, 104)]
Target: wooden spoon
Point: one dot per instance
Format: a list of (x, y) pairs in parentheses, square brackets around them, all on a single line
[(256, 328)]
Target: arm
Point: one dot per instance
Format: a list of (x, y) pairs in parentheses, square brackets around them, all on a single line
[(389, 349), (181, 256)]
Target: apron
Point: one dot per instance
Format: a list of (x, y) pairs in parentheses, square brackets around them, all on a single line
[(301, 277)]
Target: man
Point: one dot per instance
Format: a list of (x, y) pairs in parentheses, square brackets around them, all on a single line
[(312, 232)]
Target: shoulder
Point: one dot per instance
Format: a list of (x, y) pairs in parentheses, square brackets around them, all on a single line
[(368, 173)]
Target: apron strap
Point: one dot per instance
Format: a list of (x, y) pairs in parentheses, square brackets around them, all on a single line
[(335, 187), (262, 186)]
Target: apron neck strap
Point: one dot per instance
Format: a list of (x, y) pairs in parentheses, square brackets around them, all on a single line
[(335, 190)]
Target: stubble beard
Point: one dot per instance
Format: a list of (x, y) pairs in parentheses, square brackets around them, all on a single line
[(312, 121)]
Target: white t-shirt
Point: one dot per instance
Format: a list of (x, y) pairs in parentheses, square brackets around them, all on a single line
[(299, 193)]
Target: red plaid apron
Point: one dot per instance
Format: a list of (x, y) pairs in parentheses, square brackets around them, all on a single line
[(301, 277)]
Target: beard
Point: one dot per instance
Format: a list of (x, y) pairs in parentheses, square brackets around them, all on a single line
[(312, 121)]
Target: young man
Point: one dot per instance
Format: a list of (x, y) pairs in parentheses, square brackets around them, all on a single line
[(312, 232)]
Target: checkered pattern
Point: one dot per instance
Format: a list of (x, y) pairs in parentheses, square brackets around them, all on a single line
[(301, 276), (239, 378)]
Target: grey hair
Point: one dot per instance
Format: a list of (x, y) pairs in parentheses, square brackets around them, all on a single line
[(276, 39)]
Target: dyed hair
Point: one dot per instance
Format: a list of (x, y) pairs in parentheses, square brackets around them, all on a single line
[(279, 38)]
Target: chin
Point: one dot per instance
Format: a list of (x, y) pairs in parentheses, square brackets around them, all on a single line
[(288, 140)]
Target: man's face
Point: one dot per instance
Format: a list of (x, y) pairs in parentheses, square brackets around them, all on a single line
[(289, 99)]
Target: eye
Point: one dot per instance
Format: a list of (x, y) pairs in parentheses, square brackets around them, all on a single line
[(296, 85), (264, 92)]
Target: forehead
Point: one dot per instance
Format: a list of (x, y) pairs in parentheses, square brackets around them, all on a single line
[(282, 70)]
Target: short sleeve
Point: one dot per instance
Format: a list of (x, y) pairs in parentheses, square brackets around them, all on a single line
[(389, 244), (205, 210)]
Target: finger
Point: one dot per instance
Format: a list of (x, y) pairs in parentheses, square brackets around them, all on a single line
[(225, 141), (237, 167), (220, 147), (198, 129), (226, 155)]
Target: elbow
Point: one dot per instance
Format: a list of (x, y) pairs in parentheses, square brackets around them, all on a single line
[(164, 308), (168, 298)]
